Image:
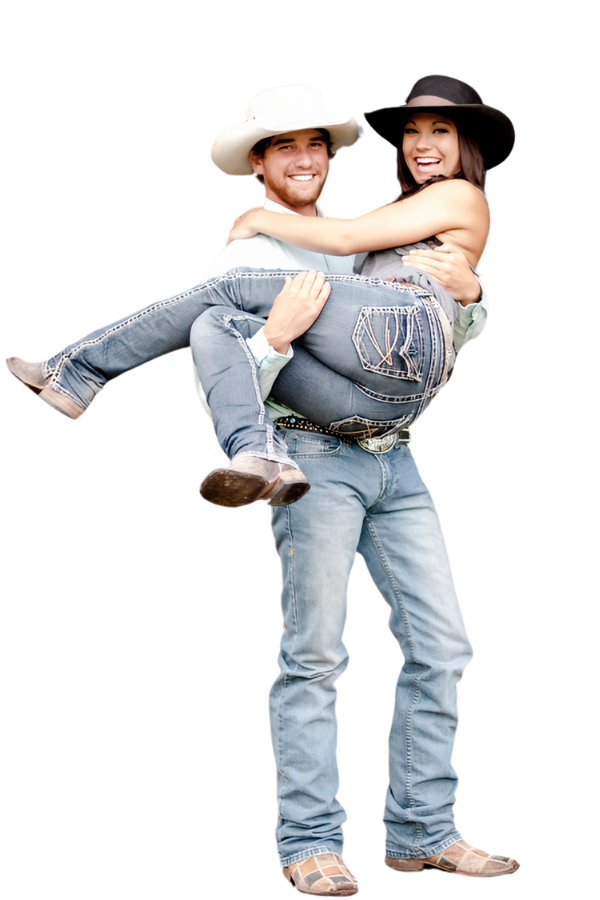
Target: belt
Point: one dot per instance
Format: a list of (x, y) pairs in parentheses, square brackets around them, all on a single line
[(380, 444)]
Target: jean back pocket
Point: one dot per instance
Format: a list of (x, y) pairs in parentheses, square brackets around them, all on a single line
[(389, 341)]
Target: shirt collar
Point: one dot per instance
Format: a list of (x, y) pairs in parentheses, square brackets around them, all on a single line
[(277, 207)]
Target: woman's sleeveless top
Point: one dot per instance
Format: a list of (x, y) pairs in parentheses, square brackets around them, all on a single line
[(390, 263), (385, 263)]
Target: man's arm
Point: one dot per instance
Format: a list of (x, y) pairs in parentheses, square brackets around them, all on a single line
[(295, 309), (293, 312)]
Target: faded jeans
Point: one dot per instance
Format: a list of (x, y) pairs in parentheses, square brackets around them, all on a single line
[(377, 354), (376, 505), (370, 363)]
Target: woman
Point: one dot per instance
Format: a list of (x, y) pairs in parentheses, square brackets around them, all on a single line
[(379, 350), (401, 350)]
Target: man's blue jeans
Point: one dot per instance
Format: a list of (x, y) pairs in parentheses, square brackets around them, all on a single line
[(376, 505)]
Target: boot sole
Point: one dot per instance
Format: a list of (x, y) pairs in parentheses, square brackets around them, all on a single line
[(346, 892), (61, 403), (419, 865), (226, 487)]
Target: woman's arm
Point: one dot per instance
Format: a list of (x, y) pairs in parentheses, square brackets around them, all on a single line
[(454, 206)]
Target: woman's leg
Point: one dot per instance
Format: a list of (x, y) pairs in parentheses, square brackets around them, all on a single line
[(82, 369), (389, 339), (229, 378), (386, 339)]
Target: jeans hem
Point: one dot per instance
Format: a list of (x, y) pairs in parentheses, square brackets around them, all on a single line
[(305, 854), (420, 854), (58, 387)]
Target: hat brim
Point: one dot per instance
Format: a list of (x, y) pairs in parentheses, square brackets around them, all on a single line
[(231, 148), (492, 129)]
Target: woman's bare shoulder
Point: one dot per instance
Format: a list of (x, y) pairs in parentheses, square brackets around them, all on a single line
[(453, 190), (455, 199)]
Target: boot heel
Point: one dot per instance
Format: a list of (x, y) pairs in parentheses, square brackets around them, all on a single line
[(289, 487), (404, 865)]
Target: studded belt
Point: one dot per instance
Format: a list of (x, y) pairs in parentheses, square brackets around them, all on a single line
[(380, 444)]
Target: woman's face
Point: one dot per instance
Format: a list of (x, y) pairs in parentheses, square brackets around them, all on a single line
[(430, 146)]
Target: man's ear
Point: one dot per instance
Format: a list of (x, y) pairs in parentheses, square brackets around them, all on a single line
[(256, 162)]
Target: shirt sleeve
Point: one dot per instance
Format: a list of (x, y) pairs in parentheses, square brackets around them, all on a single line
[(268, 360), (470, 321)]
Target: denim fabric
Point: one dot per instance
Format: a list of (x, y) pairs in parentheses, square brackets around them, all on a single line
[(382, 510), (387, 341), (370, 363)]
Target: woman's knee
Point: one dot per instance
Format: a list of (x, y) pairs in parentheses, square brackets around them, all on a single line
[(211, 318)]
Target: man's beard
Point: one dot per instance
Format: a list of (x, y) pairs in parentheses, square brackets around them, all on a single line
[(299, 197)]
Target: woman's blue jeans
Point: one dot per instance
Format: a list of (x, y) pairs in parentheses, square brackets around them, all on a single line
[(374, 358), (370, 363)]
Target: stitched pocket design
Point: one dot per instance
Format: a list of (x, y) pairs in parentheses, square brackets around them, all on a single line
[(389, 341)]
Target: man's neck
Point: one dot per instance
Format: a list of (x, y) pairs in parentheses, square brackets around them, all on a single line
[(309, 210)]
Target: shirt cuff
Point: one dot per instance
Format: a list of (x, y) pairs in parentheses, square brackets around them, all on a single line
[(268, 360), (470, 321), (261, 349)]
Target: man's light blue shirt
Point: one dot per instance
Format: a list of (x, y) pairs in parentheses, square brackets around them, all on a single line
[(264, 252)]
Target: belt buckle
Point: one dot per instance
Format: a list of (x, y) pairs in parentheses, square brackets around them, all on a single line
[(378, 444), (385, 443)]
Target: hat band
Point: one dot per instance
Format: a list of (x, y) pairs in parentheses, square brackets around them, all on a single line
[(430, 100)]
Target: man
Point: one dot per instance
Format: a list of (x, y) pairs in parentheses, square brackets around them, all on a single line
[(382, 510), (359, 501)]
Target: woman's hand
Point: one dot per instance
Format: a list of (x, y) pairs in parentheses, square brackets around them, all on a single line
[(243, 227)]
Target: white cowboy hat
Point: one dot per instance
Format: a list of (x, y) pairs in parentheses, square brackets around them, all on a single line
[(289, 108)]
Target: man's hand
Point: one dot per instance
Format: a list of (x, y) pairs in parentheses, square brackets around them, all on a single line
[(449, 265), (243, 227), (295, 309)]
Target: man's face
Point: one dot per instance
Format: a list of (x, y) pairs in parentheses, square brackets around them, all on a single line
[(294, 167)]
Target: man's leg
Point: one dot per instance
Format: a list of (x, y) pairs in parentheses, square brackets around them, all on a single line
[(404, 549), (316, 540)]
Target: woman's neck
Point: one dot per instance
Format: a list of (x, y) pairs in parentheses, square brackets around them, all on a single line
[(433, 180)]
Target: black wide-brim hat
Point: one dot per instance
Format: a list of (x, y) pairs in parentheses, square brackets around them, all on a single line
[(454, 100)]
